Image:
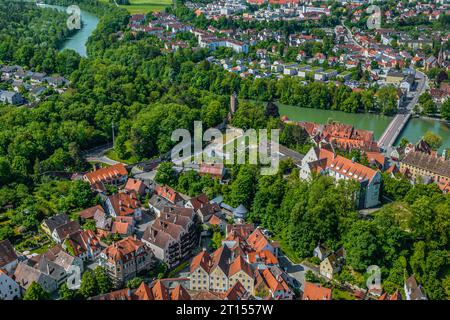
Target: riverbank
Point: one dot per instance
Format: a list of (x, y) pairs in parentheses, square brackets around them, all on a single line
[(78, 40), (413, 131)]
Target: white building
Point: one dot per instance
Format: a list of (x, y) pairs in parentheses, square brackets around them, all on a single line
[(9, 289), (323, 161)]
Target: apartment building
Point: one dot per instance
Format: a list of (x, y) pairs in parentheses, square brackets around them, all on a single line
[(173, 235), (125, 259)]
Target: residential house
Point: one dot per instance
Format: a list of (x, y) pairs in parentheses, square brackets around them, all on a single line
[(57, 264), (50, 224), (219, 271), (123, 226), (125, 259), (25, 275), (203, 208), (321, 252), (259, 242), (216, 170), (8, 256), (11, 97), (60, 233), (332, 264), (137, 186), (277, 286), (156, 291), (9, 289), (90, 213), (113, 175), (83, 244), (164, 196), (124, 203), (312, 291), (413, 291)]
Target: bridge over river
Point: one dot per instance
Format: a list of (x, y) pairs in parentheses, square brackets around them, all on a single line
[(399, 122)]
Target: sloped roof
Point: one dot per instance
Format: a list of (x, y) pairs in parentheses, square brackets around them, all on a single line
[(107, 173), (315, 292), (427, 162), (7, 253)]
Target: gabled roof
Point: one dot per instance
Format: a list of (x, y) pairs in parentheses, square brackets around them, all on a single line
[(124, 249), (179, 293), (143, 292), (135, 185), (274, 283), (236, 292), (160, 292), (257, 240), (106, 174), (199, 201), (427, 162), (239, 264), (89, 213), (7, 253), (312, 291), (201, 260), (168, 193), (125, 203), (220, 259), (65, 230), (56, 221)]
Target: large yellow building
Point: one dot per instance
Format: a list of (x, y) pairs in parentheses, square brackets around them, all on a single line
[(220, 271), (420, 164)]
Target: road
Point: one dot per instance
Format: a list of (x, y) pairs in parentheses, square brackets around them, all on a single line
[(98, 155), (394, 129), (296, 270)]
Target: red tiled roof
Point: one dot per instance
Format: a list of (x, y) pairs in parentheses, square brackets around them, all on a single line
[(168, 193), (124, 249), (125, 203), (265, 256), (106, 174), (257, 240), (143, 292), (212, 169), (315, 292), (273, 283), (135, 185), (239, 264), (179, 293), (120, 227), (160, 292), (90, 212), (236, 292)]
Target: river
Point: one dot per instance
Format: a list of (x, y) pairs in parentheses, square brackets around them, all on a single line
[(78, 40), (413, 131)]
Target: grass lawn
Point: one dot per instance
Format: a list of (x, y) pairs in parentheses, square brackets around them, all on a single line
[(144, 6), (288, 252), (174, 273), (113, 155), (342, 295)]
